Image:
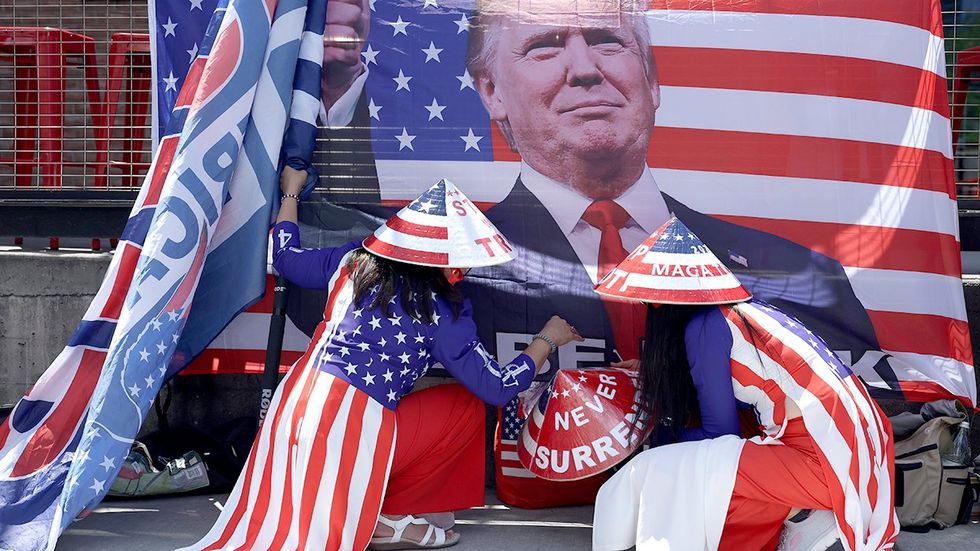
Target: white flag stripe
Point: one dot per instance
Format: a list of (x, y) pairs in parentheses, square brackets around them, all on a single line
[(330, 472), (427, 244), (305, 107), (518, 472), (812, 200), (512, 456), (404, 180), (804, 115), (909, 292), (945, 371), (311, 47), (807, 34), (670, 259), (676, 283)]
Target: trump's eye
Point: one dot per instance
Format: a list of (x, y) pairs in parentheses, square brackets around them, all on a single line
[(544, 46), (608, 43)]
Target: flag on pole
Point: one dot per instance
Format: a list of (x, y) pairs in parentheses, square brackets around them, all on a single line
[(192, 256)]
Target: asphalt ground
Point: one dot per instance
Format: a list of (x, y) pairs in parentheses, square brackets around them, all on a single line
[(172, 522)]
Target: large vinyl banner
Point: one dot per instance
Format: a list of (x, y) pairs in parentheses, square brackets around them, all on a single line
[(807, 142)]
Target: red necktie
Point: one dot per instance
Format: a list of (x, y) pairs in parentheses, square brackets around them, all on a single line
[(627, 318)]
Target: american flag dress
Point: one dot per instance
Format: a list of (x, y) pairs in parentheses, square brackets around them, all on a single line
[(315, 478), (773, 357)]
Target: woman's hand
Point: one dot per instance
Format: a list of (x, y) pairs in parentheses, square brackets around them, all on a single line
[(627, 364), (292, 181), (560, 331)]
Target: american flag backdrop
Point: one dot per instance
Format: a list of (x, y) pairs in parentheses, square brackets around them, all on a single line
[(192, 256), (825, 122)]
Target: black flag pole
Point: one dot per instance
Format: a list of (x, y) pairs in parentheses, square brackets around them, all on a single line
[(273, 351)]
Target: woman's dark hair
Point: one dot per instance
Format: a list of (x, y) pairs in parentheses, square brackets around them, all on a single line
[(414, 285), (667, 390)]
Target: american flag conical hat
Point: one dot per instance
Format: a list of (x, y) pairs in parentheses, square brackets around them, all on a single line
[(441, 228), (673, 266)]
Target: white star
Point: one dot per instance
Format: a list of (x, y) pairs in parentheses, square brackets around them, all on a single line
[(144, 355), (344, 351), (174, 338), (196, 4), (108, 462), (368, 379), (554, 394), (156, 324), (385, 357), (396, 320), (400, 337), (391, 395), (435, 110), (171, 82), (565, 393), (426, 206), (357, 313), (375, 322), (372, 4), (404, 357), (173, 315), (98, 486), (163, 370), (383, 341), (405, 140), (387, 375), (463, 24), (351, 369), (327, 357), (149, 381), (364, 346), (375, 110), (169, 27), (435, 318), (472, 141), (404, 372), (341, 334), (419, 339), (356, 331), (399, 27), (402, 81), (465, 80), (576, 387), (161, 348), (432, 52), (370, 55), (423, 353), (134, 390), (581, 378), (430, 3), (192, 52)]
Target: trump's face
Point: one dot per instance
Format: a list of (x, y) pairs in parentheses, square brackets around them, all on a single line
[(571, 92)]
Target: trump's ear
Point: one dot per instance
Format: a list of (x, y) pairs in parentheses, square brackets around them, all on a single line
[(655, 91), (490, 95)]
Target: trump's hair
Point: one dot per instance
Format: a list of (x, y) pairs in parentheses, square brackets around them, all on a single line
[(485, 30)]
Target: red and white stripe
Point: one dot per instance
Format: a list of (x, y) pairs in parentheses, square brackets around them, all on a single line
[(823, 121), (853, 438), (316, 475)]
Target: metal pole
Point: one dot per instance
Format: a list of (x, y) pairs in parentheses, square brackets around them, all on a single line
[(273, 351)]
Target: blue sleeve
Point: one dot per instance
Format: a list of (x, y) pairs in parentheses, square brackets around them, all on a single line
[(308, 268), (709, 346), (456, 346)]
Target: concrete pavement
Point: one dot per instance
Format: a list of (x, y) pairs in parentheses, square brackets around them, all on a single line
[(168, 523)]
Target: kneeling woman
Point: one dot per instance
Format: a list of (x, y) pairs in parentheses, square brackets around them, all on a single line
[(341, 432), (824, 463)]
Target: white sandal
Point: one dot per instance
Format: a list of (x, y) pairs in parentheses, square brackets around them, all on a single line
[(435, 537)]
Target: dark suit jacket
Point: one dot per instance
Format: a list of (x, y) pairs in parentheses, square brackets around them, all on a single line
[(547, 278)]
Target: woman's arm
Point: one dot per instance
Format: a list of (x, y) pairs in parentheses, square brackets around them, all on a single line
[(455, 345), (309, 268), (709, 345)]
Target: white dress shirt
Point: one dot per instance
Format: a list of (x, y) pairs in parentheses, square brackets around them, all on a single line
[(342, 112), (642, 201)]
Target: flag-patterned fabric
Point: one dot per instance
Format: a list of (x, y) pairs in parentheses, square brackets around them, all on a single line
[(190, 259), (673, 266), (441, 228), (774, 357), (317, 472)]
